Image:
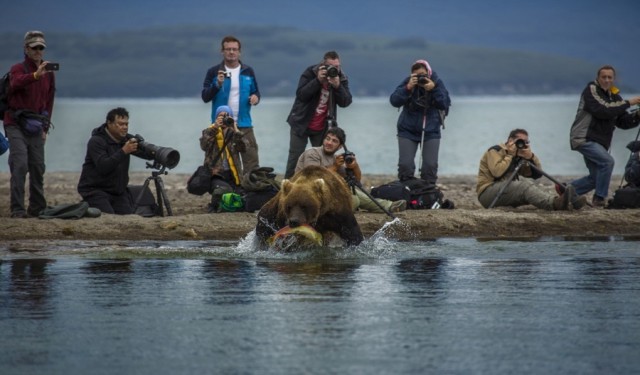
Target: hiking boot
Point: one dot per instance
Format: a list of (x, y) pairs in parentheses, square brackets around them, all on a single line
[(563, 202), (597, 202), (398, 206), (579, 202)]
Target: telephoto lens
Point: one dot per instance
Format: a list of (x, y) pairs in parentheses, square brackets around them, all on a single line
[(520, 144)]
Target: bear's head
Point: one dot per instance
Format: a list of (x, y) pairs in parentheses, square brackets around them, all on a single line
[(303, 202)]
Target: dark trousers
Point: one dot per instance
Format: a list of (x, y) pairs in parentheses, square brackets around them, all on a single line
[(406, 160), (119, 204), (26, 155), (297, 145)]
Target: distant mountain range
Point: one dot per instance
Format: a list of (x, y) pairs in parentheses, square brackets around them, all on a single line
[(551, 45)]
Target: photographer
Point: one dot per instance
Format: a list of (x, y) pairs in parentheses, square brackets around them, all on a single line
[(105, 172), (499, 163), (321, 89), (425, 102), (222, 143), (347, 166), (600, 111)]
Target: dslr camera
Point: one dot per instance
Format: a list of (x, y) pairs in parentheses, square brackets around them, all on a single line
[(164, 156), (423, 79), (228, 121), (349, 157), (520, 144), (332, 71)]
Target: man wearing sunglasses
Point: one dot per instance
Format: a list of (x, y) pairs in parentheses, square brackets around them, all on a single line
[(497, 167), (32, 89)]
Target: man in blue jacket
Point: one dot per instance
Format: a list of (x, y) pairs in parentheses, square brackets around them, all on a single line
[(425, 101), (234, 84)]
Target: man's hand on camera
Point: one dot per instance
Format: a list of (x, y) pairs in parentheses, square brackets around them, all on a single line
[(511, 148), (334, 81), (221, 76), (525, 153), (322, 74), (130, 146)]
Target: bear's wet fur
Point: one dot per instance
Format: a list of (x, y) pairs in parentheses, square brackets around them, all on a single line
[(315, 196)]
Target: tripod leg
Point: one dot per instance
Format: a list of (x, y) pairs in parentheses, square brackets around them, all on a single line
[(139, 197), (162, 196), (513, 175), (374, 200)]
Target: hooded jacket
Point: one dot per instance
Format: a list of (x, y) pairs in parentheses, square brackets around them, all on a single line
[(413, 103), (599, 113), (106, 166)]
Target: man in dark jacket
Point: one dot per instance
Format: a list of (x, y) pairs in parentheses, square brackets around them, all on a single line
[(600, 111), (321, 88), (425, 102), (32, 90), (105, 172)]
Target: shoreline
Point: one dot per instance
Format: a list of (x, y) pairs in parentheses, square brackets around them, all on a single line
[(191, 222)]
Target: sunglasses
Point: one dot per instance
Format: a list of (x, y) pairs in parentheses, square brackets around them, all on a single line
[(37, 48)]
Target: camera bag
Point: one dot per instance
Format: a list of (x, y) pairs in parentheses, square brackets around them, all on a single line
[(418, 193), (625, 197)]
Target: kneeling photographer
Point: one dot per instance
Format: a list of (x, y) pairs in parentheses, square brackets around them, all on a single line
[(499, 183), (222, 143), (347, 166), (105, 172)]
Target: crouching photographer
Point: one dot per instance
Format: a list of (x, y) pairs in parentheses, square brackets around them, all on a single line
[(347, 166), (105, 172)]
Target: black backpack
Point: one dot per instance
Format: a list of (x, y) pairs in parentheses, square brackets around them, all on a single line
[(418, 193), (625, 197), (5, 87)]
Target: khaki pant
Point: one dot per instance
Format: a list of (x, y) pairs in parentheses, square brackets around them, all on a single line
[(517, 193), (361, 201)]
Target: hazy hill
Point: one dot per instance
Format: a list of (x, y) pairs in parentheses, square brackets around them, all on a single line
[(172, 61)]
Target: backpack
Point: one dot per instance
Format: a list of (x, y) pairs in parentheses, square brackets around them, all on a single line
[(625, 197), (5, 88), (418, 193)]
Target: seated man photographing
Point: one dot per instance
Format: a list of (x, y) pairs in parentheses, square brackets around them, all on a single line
[(105, 172), (325, 156), (495, 186)]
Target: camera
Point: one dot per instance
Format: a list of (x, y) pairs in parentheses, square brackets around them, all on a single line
[(227, 121), (349, 157), (423, 79), (332, 71), (165, 156), (520, 144), (227, 74)]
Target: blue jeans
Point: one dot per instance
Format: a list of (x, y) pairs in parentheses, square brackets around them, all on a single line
[(600, 164)]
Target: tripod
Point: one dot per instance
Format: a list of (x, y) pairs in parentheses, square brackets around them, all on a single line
[(161, 195), (521, 163), (354, 183)]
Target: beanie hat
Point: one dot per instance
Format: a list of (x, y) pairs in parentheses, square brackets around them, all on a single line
[(224, 108), (426, 65)]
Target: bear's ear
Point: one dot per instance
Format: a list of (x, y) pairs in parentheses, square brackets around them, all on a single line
[(286, 186), (319, 184)]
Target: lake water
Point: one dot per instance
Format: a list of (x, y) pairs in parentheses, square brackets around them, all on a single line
[(474, 125), (454, 306)]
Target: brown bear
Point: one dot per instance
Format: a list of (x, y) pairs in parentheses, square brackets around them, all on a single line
[(315, 196)]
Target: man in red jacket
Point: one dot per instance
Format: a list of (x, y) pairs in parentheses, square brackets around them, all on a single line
[(32, 89)]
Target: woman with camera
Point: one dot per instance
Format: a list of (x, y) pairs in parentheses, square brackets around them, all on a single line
[(222, 143), (425, 102)]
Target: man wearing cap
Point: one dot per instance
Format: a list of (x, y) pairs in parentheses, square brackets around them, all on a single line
[(32, 89), (425, 101), (234, 83)]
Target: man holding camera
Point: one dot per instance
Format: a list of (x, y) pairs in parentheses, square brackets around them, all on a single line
[(222, 143), (347, 166), (497, 168), (234, 84), (105, 172), (32, 90), (321, 89), (600, 111)]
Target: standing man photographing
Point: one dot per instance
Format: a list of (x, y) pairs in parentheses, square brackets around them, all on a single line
[(234, 84), (26, 123)]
